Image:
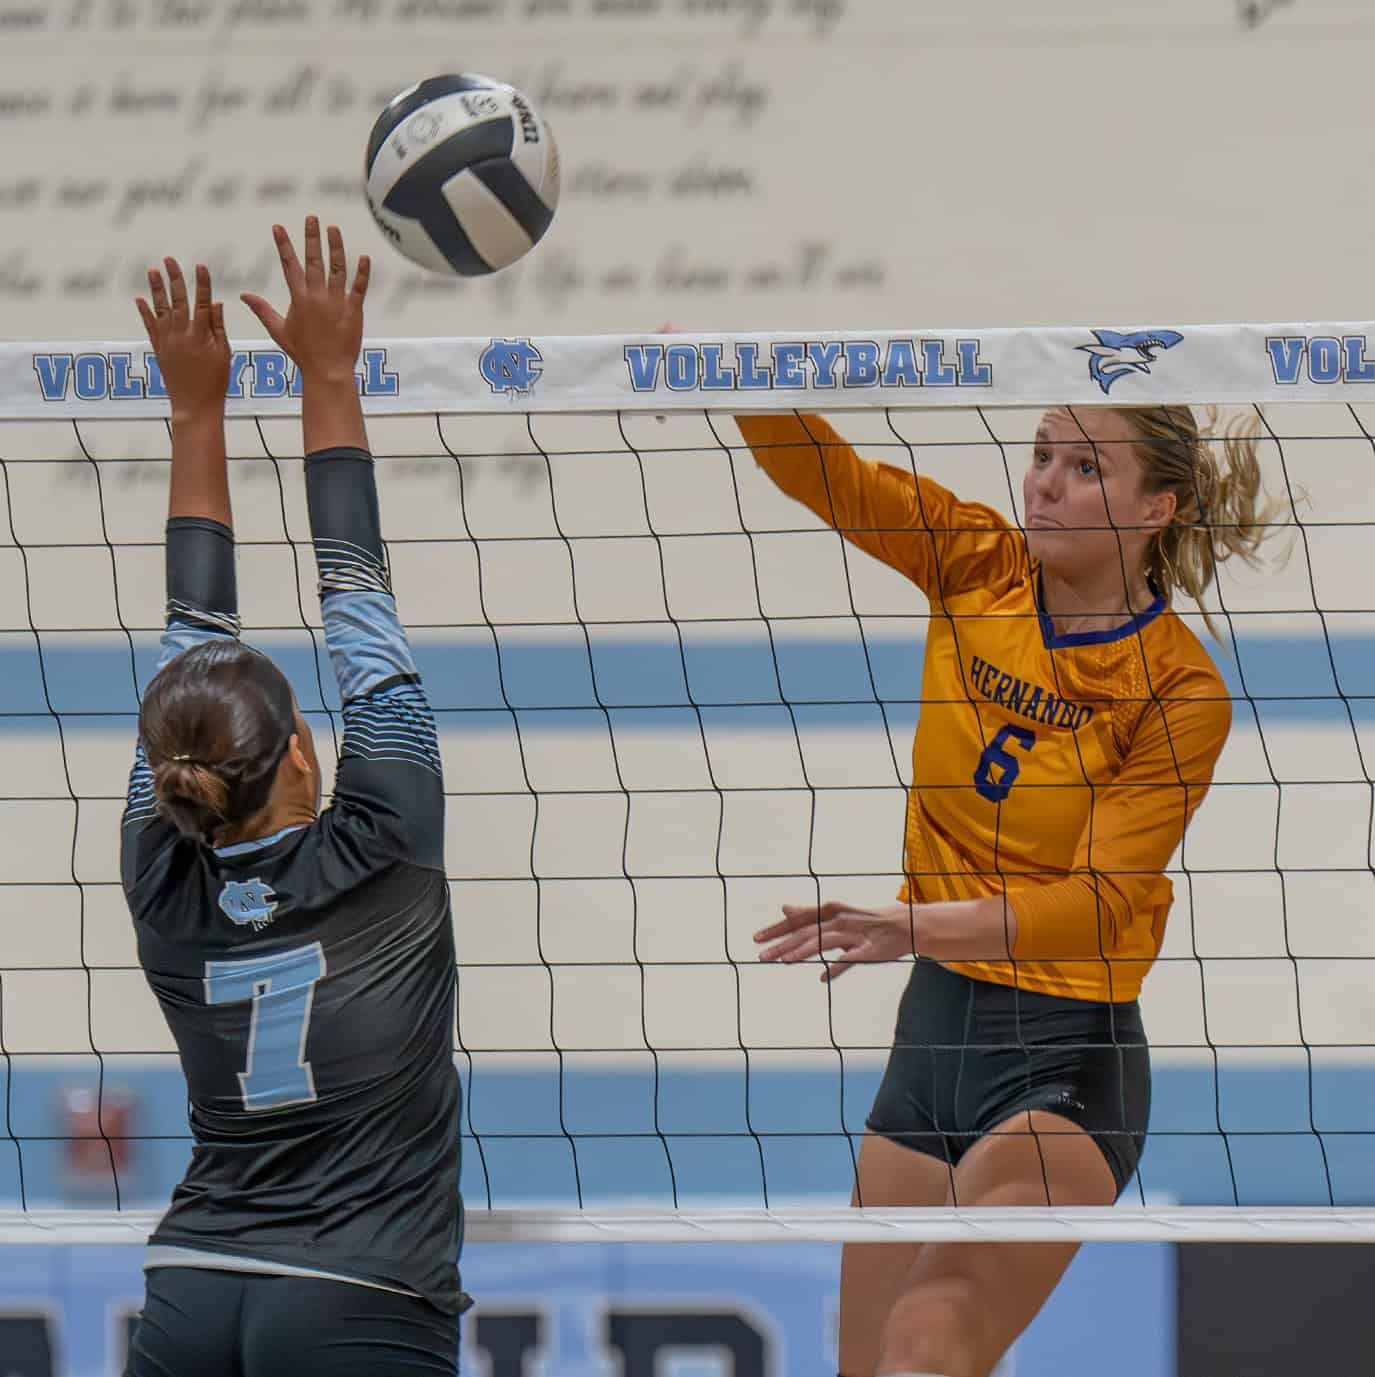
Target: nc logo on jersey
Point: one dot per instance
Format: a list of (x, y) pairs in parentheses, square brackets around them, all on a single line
[(248, 903), (1115, 355), (512, 366)]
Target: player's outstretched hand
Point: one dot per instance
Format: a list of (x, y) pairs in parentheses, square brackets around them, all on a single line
[(191, 347), (859, 934), (322, 330)]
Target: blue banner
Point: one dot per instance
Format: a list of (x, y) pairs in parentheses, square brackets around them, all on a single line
[(591, 1310)]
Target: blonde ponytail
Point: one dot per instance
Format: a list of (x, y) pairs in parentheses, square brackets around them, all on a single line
[(1221, 509)]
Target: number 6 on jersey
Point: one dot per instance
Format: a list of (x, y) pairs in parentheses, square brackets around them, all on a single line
[(282, 989), (1009, 767)]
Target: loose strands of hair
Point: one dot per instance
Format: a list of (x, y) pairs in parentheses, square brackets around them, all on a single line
[(1221, 512)]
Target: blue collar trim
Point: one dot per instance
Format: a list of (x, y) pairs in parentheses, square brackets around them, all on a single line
[(1056, 641), (257, 844)]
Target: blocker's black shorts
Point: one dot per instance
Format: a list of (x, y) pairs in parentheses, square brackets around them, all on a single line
[(202, 1323), (968, 1054)]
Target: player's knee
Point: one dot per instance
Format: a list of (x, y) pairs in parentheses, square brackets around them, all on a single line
[(947, 1316), (965, 1308)]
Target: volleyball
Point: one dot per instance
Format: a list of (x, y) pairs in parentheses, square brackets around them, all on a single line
[(462, 174)]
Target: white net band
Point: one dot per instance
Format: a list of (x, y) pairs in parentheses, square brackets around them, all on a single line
[(1226, 364), (1121, 1224)]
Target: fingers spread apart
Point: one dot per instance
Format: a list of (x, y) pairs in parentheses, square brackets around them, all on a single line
[(150, 321), (361, 278), (291, 266), (176, 287), (203, 293), (337, 264), (315, 266), (158, 292)]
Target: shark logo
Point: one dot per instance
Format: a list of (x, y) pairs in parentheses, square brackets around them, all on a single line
[(1115, 355), (246, 902)]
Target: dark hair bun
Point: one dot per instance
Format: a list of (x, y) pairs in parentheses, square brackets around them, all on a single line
[(192, 796)]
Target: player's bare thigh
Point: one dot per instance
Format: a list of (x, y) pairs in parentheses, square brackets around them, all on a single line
[(987, 1293), (871, 1273)]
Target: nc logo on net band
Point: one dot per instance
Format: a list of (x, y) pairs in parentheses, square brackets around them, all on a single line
[(512, 366), (248, 903), (1117, 355)]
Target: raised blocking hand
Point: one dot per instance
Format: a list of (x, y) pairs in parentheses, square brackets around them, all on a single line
[(191, 347), (322, 330)]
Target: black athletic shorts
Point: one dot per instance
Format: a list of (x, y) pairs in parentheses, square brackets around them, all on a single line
[(968, 1054), (202, 1323)]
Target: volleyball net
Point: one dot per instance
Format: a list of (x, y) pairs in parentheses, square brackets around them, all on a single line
[(669, 700)]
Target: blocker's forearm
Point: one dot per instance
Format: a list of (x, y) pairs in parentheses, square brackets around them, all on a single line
[(200, 474), (366, 640), (332, 413)]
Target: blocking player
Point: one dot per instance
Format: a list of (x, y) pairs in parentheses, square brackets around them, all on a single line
[(1069, 728), (303, 959)]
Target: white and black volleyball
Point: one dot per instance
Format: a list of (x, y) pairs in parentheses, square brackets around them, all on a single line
[(462, 174)]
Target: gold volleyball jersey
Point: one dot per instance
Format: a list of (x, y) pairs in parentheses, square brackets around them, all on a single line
[(1059, 770)]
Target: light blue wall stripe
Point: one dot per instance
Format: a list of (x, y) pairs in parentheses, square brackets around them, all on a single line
[(630, 670), (724, 1134)]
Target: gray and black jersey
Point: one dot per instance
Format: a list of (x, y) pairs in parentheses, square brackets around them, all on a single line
[(308, 977)]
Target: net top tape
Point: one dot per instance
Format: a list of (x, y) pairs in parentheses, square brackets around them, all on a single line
[(822, 371), (1079, 1224)]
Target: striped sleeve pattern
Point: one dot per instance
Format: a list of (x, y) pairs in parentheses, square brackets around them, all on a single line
[(139, 804), (392, 723), (189, 626), (367, 642), (389, 788), (349, 568)]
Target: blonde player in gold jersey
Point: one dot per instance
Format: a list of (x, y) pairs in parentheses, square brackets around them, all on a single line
[(1069, 728)]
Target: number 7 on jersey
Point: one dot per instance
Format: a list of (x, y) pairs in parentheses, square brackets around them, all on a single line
[(281, 988)]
